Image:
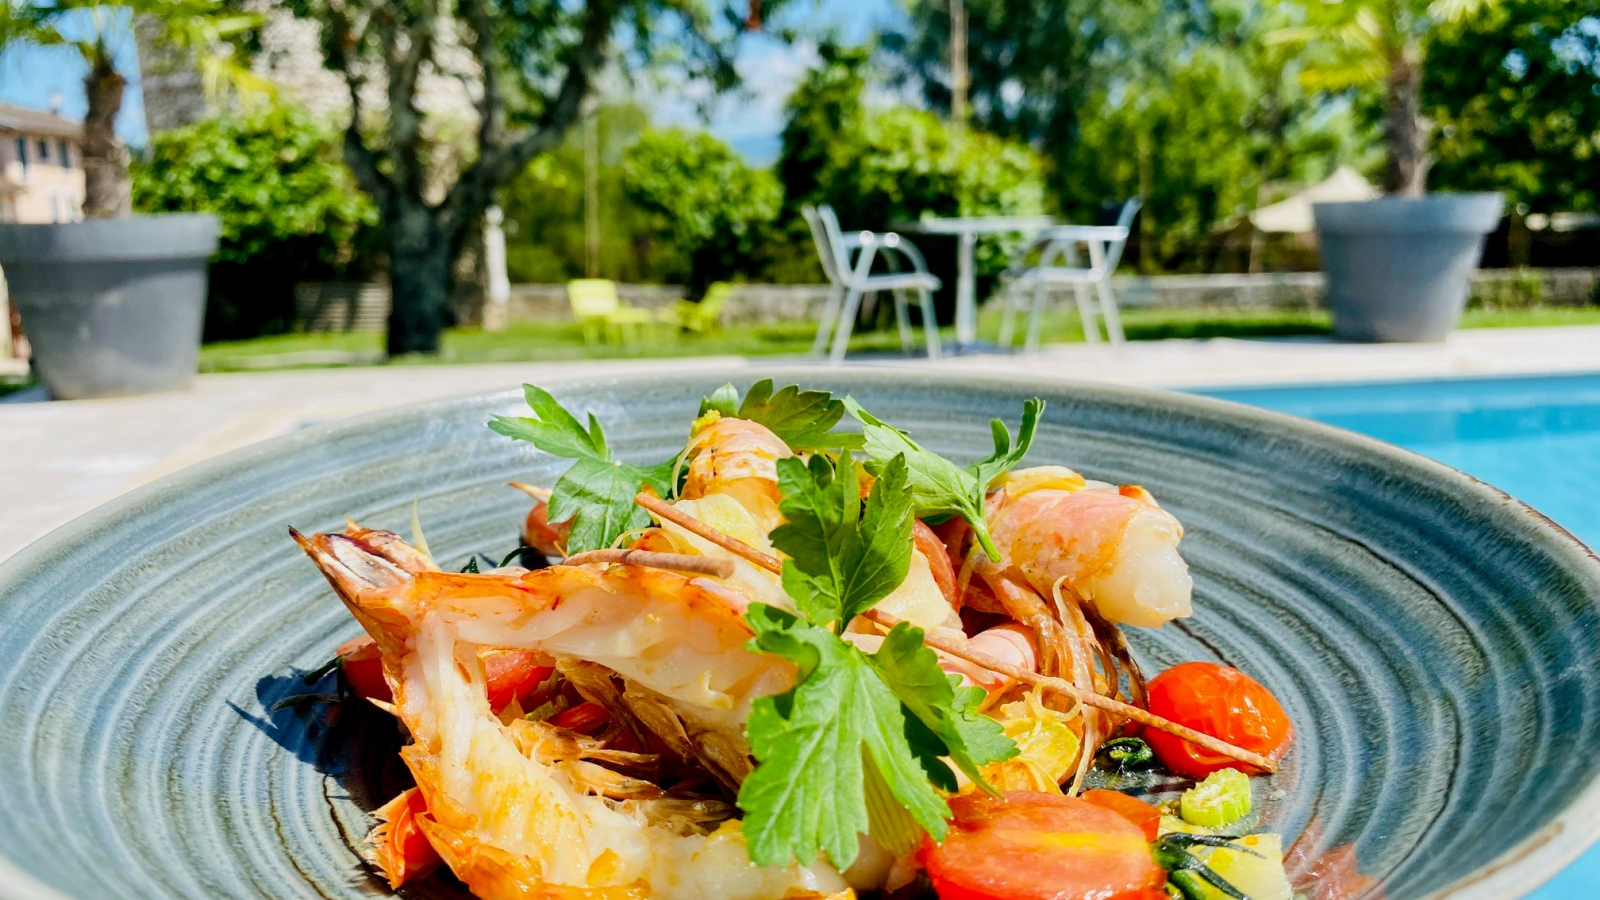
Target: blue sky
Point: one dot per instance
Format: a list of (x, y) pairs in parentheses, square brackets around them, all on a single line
[(30, 75), (749, 120)]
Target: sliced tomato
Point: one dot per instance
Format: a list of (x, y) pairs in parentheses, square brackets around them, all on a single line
[(1037, 846), (511, 674), (1140, 813), (583, 718), (363, 670), (1220, 701)]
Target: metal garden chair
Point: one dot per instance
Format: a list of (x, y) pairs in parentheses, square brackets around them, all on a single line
[(1059, 264), (602, 313), (847, 261), (703, 317)]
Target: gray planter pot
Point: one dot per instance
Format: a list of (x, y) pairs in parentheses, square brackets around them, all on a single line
[(111, 306), (1399, 268)]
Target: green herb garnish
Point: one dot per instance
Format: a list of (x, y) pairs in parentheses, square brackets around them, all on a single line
[(1188, 872), (320, 672), (813, 743), (843, 556), (1127, 754), (853, 721), (301, 701), (801, 419), (939, 486), (597, 493)]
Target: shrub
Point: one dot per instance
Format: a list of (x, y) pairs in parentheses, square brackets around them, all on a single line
[(705, 201), (290, 211)]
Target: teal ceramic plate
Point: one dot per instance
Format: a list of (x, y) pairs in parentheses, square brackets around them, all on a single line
[(1436, 643)]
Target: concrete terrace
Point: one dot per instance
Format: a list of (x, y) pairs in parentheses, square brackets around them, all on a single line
[(62, 459)]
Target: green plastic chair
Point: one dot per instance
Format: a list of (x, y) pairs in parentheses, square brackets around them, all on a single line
[(706, 316), (602, 314)]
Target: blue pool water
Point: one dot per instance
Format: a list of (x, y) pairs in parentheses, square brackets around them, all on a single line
[(1538, 439)]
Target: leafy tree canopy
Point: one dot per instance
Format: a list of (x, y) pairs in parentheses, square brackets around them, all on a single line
[(704, 199), (544, 208), (1200, 140), (880, 166), (1033, 64), (1515, 95)]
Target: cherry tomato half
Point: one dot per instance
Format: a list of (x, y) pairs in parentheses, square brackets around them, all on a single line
[(363, 669), (586, 717), (511, 674), (1037, 846), (1140, 813), (1222, 702)]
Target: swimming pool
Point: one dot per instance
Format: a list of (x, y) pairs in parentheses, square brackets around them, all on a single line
[(1538, 439)]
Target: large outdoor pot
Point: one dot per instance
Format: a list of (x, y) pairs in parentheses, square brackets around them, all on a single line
[(111, 306), (1399, 269)]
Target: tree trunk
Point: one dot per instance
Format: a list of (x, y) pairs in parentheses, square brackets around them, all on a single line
[(469, 282), (419, 279), (1405, 134), (108, 191)]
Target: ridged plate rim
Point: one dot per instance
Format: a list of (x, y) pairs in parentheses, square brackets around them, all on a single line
[(1514, 873)]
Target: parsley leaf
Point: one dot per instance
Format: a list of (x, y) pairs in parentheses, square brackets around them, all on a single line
[(813, 744), (946, 709), (843, 556), (724, 400), (597, 496), (597, 493), (939, 486), (857, 743), (801, 419), (553, 429)]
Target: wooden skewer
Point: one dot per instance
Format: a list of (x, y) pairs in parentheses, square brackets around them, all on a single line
[(679, 562), (537, 493), (958, 648), (731, 544)]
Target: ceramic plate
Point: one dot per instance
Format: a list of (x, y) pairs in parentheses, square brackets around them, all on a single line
[(1434, 641)]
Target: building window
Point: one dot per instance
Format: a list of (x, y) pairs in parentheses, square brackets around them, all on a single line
[(44, 150), (66, 155), (22, 156), (53, 198)]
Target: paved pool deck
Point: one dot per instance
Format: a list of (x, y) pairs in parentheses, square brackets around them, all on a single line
[(61, 459)]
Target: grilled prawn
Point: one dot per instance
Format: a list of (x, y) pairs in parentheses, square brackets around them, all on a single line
[(514, 813)]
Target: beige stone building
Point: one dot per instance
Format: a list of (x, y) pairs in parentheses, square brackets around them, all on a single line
[(41, 169)]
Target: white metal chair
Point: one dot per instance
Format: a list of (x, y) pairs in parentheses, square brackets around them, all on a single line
[(1059, 264), (849, 279)]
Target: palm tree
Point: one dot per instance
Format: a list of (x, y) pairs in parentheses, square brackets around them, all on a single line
[(1360, 43), (205, 29)]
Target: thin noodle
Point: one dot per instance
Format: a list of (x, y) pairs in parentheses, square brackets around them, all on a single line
[(1083, 679)]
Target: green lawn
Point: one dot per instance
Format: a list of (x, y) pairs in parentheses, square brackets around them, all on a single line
[(548, 342)]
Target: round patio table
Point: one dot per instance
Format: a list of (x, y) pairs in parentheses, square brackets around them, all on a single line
[(967, 229)]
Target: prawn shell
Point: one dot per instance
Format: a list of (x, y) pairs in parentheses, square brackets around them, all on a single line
[(1051, 533)]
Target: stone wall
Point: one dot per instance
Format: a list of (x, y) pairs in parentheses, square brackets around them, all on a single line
[(759, 304), (751, 304), (548, 302)]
